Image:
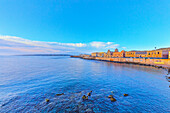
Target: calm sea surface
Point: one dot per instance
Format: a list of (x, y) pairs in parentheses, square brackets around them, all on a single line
[(26, 81)]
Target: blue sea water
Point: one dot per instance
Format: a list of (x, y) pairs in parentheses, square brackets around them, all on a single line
[(26, 81)]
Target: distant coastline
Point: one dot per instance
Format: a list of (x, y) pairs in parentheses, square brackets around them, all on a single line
[(43, 55)]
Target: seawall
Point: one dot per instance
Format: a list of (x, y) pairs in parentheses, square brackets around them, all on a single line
[(160, 63)]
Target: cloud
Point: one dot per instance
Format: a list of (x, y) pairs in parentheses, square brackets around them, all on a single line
[(69, 44), (38, 43), (98, 44), (124, 47), (113, 46), (108, 45), (18, 45), (31, 50)]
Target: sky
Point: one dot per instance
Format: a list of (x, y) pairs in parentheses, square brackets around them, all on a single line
[(83, 26)]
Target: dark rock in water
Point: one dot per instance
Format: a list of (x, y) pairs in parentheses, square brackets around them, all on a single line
[(113, 99), (110, 96), (89, 94), (59, 94), (47, 100), (159, 66), (85, 97), (125, 94)]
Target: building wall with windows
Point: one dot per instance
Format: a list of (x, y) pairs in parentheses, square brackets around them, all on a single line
[(154, 54), (100, 54), (94, 54), (130, 54), (119, 54), (148, 54)]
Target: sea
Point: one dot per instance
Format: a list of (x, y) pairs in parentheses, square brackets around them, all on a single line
[(26, 82)]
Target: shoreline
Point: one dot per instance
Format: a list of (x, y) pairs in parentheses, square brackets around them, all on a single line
[(163, 63)]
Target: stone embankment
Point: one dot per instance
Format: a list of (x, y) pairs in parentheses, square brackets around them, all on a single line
[(158, 63)]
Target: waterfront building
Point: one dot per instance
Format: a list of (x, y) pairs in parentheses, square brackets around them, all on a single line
[(140, 54), (94, 54), (158, 53), (108, 54), (98, 54), (118, 54), (130, 53), (84, 55)]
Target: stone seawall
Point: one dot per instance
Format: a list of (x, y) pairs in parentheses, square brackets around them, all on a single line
[(165, 63)]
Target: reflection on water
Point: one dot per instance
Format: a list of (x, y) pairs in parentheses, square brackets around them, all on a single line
[(27, 81)]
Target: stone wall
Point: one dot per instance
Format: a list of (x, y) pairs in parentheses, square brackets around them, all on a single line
[(138, 60)]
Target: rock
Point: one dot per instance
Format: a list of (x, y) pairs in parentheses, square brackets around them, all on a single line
[(47, 100), (125, 94), (59, 94), (113, 99), (85, 97), (89, 94), (110, 96)]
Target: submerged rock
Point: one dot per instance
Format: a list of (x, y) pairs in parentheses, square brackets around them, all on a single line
[(59, 94), (47, 100), (125, 94), (85, 97), (113, 99), (110, 96), (89, 94)]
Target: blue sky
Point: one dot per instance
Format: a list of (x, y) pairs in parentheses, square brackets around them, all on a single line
[(83, 26)]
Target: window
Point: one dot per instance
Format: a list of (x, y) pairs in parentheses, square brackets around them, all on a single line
[(158, 52)]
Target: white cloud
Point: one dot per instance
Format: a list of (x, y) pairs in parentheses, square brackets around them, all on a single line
[(108, 45), (16, 44), (38, 43), (113, 46), (124, 47), (72, 44), (98, 44), (30, 50)]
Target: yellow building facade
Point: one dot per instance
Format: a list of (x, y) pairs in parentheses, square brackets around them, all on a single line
[(160, 53), (118, 54), (94, 54), (130, 54)]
